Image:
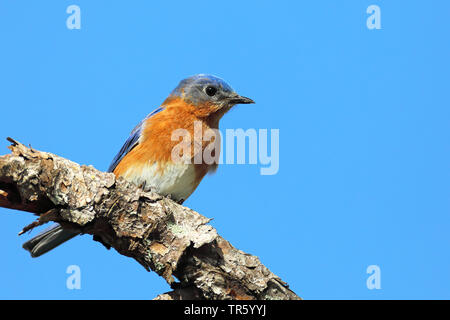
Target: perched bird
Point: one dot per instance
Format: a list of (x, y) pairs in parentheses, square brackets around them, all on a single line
[(146, 158)]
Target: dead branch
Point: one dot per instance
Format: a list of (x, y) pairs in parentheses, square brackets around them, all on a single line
[(160, 234)]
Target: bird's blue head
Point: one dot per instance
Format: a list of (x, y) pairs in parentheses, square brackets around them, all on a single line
[(204, 89)]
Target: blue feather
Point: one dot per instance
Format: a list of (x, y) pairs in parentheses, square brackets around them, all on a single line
[(132, 141)]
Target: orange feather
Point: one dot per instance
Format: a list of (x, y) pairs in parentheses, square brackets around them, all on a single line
[(156, 145)]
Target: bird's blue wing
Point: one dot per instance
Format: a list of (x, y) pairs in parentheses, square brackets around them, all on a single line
[(132, 141)]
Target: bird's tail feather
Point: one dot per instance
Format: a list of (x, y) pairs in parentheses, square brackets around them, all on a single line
[(48, 240)]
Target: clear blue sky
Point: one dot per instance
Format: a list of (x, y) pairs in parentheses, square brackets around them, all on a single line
[(364, 134)]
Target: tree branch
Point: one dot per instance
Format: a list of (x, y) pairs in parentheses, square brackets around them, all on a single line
[(160, 234)]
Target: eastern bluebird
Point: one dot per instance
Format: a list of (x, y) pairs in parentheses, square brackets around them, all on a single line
[(146, 158)]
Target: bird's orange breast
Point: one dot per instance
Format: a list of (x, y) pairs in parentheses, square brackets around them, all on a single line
[(156, 143)]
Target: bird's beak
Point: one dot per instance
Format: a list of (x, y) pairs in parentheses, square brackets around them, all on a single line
[(237, 99)]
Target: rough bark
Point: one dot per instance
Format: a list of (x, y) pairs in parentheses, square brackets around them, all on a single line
[(163, 236)]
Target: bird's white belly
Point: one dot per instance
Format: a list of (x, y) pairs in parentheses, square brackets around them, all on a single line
[(175, 180)]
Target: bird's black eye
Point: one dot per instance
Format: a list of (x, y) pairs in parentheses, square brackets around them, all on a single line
[(210, 91)]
